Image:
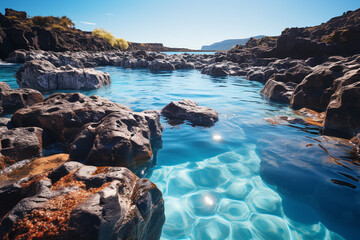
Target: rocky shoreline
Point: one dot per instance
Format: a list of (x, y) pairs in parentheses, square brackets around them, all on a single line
[(330, 85), (51, 196), (104, 199)]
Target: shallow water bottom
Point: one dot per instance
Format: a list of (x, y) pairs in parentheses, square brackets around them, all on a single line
[(225, 198)]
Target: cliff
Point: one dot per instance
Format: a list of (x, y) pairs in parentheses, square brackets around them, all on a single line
[(339, 36), (18, 31)]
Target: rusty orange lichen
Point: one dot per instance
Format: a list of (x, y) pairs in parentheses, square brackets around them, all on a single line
[(5, 161), (33, 180), (100, 170), (312, 117), (39, 166), (315, 122), (53, 219), (67, 181)]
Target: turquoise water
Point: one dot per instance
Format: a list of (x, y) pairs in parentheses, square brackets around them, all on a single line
[(178, 53), (242, 178)]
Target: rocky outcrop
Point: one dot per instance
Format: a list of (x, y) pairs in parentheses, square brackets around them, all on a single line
[(338, 36), (315, 90), (161, 65), (82, 202), (187, 109), (5, 123), (119, 139), (44, 76), (343, 112), (19, 143), (97, 131), (29, 169), (222, 69), (156, 47), (137, 59), (14, 99), (64, 114), (18, 32)]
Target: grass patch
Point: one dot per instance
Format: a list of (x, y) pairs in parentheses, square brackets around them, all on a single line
[(107, 36)]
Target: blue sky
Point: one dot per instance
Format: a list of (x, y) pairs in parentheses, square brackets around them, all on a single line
[(187, 23)]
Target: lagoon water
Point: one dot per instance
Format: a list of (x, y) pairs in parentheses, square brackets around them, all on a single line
[(242, 178), (172, 53)]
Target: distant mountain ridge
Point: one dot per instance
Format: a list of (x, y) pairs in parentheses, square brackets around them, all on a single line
[(228, 44)]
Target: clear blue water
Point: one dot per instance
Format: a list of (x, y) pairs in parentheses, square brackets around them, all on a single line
[(172, 53), (242, 178)]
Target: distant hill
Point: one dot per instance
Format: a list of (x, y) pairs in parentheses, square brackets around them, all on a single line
[(228, 44)]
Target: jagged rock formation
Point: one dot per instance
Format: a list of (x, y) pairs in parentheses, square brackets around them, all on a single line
[(44, 76), (16, 32), (14, 99), (339, 36), (97, 131), (19, 143), (75, 201), (119, 139), (64, 114)]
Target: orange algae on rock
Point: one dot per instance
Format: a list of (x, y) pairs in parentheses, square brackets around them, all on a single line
[(38, 166), (312, 117), (52, 220)]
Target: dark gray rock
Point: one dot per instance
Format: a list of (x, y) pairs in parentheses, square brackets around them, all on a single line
[(161, 65), (276, 91), (83, 202), (42, 75), (343, 112), (119, 139), (315, 90), (64, 114), (20, 143), (187, 109), (14, 99)]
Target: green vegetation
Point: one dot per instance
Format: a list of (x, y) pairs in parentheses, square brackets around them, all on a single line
[(337, 36), (51, 23), (121, 43), (107, 36), (64, 23)]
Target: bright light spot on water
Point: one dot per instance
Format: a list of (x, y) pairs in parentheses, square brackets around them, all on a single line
[(217, 137), (208, 200)]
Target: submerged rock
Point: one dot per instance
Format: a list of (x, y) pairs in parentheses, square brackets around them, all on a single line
[(64, 114), (314, 170), (82, 202), (119, 139), (14, 99), (44, 76), (187, 109), (308, 117)]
